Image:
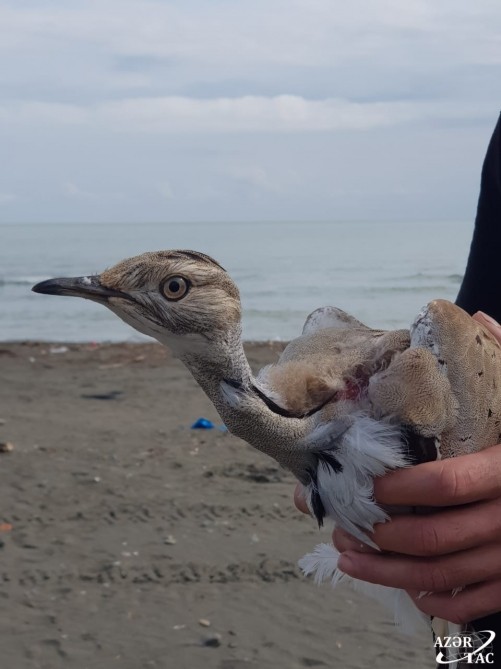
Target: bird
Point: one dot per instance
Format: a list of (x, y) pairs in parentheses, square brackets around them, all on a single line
[(343, 404)]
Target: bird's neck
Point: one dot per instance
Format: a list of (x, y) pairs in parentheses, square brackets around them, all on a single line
[(223, 372), (218, 360)]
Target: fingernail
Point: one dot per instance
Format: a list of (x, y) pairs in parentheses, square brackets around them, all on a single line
[(346, 563), (489, 319)]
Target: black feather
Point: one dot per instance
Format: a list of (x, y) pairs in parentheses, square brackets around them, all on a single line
[(418, 448)]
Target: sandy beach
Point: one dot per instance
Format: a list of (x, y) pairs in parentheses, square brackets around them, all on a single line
[(130, 540)]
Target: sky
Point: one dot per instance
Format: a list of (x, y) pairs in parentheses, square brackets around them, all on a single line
[(143, 110)]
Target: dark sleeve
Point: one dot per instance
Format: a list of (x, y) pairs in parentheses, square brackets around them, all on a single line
[(481, 287)]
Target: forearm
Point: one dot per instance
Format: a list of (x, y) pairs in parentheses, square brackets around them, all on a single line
[(481, 285)]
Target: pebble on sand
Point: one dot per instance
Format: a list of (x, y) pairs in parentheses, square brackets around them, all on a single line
[(6, 447), (212, 641), (204, 622)]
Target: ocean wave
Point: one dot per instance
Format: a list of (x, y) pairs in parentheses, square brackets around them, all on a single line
[(425, 276), (422, 288), (274, 313), (21, 280)]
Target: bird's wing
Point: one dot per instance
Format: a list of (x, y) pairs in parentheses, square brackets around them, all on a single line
[(332, 359), (470, 358), (300, 385), (446, 385), (330, 317)]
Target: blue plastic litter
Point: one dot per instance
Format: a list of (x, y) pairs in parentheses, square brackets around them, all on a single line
[(202, 424)]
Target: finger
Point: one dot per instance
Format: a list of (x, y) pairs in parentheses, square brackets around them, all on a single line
[(442, 532), (299, 499), (473, 602), (345, 542), (430, 574), (489, 323), (461, 480)]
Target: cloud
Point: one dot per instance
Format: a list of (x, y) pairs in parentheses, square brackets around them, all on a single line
[(74, 191), (7, 198), (279, 114), (43, 112), (222, 108), (192, 43), (295, 31), (255, 177), (166, 191)]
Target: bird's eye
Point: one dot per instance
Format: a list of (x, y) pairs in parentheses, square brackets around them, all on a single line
[(175, 287)]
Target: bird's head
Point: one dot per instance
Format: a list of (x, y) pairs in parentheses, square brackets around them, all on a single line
[(178, 297)]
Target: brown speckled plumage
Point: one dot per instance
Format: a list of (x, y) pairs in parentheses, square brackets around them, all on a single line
[(442, 381), (342, 405)]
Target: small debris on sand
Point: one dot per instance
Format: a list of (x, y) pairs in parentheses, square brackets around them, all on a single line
[(58, 349), (191, 528), (111, 395), (6, 447)]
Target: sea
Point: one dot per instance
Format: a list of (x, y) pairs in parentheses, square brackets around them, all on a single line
[(381, 272)]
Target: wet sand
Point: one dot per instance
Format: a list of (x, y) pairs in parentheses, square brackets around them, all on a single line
[(137, 542)]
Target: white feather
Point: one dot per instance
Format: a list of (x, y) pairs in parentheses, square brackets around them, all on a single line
[(329, 317), (367, 449), (443, 628), (322, 564), (231, 396)]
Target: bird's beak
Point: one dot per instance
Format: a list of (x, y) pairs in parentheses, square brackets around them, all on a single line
[(88, 287)]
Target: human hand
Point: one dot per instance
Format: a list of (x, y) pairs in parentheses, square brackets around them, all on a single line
[(457, 546)]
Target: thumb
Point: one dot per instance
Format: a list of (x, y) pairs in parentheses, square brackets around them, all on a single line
[(299, 499), (489, 323)]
